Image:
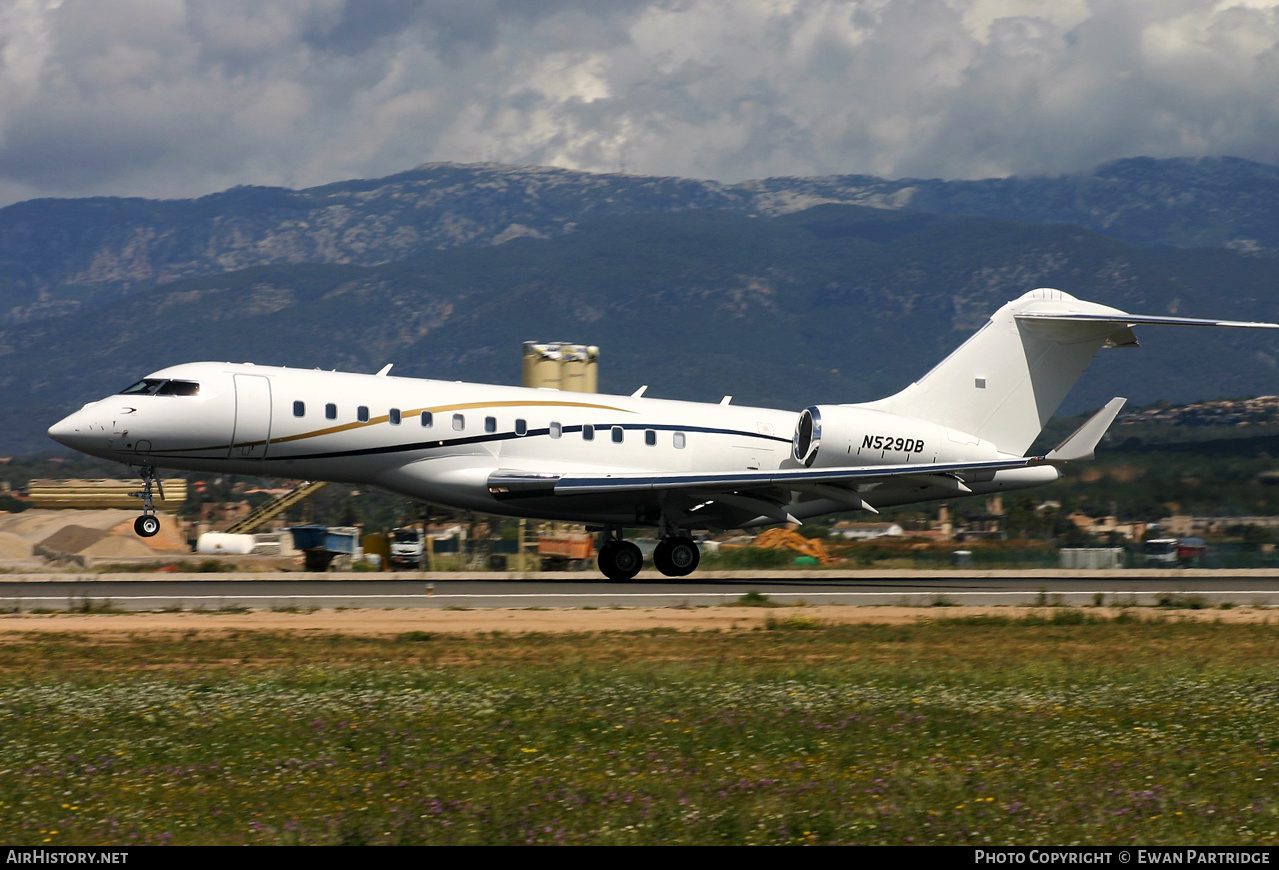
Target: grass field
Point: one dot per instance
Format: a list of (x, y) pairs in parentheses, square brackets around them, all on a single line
[(1041, 730)]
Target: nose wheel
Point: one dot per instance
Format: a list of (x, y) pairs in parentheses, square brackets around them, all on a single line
[(147, 525)]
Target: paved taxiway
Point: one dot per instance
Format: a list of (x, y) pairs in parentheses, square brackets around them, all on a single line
[(214, 592)]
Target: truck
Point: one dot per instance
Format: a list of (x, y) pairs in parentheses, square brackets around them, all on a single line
[(408, 548), (566, 551), (1175, 552)]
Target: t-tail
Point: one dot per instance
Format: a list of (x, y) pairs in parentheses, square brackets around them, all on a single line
[(1007, 380)]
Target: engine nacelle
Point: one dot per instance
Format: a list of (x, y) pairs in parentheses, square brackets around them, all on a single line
[(835, 436)]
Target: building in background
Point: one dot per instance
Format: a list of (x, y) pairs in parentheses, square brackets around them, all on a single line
[(561, 365)]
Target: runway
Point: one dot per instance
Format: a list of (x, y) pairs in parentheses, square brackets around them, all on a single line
[(262, 592)]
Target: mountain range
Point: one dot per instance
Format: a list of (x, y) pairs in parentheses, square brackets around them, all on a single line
[(784, 292)]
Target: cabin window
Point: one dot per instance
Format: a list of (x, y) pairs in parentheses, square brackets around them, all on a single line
[(362, 413), (650, 437), (490, 424), (459, 422), (394, 416), (588, 432), (428, 419), (556, 430), (679, 440), (617, 435), (331, 411), (521, 427), (299, 409)]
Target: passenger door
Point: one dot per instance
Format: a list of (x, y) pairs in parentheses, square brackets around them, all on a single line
[(252, 417)]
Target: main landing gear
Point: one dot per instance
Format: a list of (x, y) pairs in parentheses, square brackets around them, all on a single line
[(147, 525), (674, 556), (619, 560)]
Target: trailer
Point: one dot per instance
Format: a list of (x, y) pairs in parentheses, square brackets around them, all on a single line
[(566, 551)]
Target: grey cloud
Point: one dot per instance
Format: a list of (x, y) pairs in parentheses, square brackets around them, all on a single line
[(182, 98), (456, 30)]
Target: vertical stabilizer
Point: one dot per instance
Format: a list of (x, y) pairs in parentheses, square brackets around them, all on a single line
[(1007, 381)]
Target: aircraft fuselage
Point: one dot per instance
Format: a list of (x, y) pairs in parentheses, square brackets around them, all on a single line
[(440, 441)]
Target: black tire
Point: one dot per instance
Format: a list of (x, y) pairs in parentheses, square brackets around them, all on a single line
[(147, 526), (662, 558), (620, 561), (683, 556)]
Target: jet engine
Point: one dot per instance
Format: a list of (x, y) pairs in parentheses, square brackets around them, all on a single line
[(836, 436)]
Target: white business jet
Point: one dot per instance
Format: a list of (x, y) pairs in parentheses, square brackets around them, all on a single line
[(625, 461)]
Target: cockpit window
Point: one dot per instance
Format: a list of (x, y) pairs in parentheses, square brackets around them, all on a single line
[(161, 387), (179, 388), (145, 387)]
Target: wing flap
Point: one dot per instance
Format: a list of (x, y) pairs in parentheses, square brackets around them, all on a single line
[(518, 484)]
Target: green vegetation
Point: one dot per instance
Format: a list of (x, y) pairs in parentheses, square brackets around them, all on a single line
[(736, 558), (755, 598), (1147, 482), (988, 731)]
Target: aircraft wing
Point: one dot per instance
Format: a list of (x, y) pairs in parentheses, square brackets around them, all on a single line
[(530, 484), (765, 493), (754, 493)]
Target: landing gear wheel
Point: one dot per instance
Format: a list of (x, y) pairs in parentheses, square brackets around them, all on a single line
[(620, 561), (148, 524), (676, 557)]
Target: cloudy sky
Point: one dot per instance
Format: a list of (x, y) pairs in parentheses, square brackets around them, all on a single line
[(171, 98)]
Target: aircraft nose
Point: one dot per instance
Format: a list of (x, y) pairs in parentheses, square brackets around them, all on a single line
[(72, 430), (64, 431)]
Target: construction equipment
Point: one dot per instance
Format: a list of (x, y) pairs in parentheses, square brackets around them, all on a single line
[(275, 506), (782, 539), (322, 546)]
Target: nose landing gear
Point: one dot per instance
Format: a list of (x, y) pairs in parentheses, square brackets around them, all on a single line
[(147, 525)]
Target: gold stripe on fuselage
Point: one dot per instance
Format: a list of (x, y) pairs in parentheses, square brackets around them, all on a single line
[(383, 418)]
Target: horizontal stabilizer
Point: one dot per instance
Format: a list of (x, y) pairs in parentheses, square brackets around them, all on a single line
[(1124, 319), (1083, 442), (1005, 383)]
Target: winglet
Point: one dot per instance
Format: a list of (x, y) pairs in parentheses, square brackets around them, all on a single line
[(385, 370), (1083, 442)]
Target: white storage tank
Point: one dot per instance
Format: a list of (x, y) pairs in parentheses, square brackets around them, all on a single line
[(222, 544)]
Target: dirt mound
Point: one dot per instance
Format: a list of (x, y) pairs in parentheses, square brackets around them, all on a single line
[(117, 546), (71, 539), (13, 547), (169, 539), (35, 525)]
